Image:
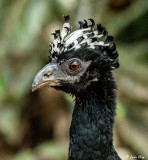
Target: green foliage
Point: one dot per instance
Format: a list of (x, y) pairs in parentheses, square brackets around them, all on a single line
[(9, 124), (25, 155), (121, 109), (48, 150), (52, 150)]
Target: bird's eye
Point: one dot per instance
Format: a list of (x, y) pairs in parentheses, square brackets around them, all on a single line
[(74, 66)]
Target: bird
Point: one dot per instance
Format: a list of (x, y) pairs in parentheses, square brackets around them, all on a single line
[(81, 64)]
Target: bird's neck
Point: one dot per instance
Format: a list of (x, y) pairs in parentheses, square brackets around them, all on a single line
[(91, 131)]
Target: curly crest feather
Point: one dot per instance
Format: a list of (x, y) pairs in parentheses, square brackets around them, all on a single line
[(86, 36)]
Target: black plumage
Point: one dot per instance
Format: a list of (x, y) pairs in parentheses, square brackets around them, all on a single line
[(82, 65)]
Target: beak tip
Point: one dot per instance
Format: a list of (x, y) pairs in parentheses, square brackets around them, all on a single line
[(33, 88), (34, 84)]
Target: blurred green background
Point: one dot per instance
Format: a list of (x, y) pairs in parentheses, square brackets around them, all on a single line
[(34, 126)]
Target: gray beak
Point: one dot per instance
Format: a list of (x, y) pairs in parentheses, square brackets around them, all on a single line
[(45, 77)]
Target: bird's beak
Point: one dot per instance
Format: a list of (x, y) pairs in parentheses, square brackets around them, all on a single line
[(45, 77)]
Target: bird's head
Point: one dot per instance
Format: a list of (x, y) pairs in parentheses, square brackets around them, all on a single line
[(77, 59)]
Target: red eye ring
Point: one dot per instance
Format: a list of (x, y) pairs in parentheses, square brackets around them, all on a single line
[(74, 66)]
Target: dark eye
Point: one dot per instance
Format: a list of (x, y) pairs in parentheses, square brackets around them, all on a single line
[(74, 65)]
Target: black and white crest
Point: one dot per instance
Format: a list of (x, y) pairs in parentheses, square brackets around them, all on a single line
[(86, 36)]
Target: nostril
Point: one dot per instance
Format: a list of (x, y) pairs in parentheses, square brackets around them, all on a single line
[(47, 74)]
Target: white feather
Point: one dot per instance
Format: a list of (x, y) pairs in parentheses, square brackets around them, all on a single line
[(75, 35)]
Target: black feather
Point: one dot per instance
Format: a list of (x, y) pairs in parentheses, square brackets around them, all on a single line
[(85, 25), (92, 23), (81, 24), (66, 19)]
